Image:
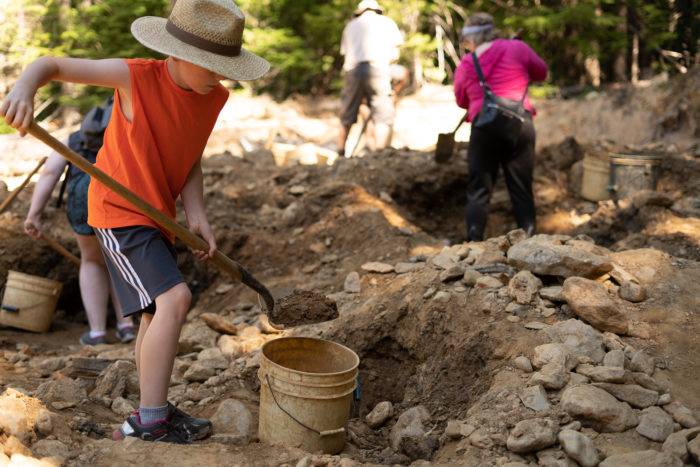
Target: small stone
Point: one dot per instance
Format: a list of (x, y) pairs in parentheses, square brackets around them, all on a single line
[(523, 363), (381, 413), (44, 423), (554, 353), (598, 409), (677, 443), (575, 425), (579, 447), (513, 319), (444, 260), (575, 379), (636, 396), (200, 371), (612, 341), (632, 292), (488, 282), (602, 374), (452, 273), (554, 293), (453, 430), (535, 398), (648, 458), (681, 414), (523, 287), (552, 376), (224, 289), (429, 293), (547, 312), (49, 448), (403, 268), (352, 283), (532, 435), (553, 457), (664, 399), (642, 362), (408, 435), (122, 407), (536, 325), (646, 381), (442, 296), (62, 393), (516, 309), (470, 277), (297, 190), (377, 267), (694, 449), (655, 424), (614, 358), (232, 417)]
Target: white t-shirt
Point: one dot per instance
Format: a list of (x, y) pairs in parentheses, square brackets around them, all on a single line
[(373, 38)]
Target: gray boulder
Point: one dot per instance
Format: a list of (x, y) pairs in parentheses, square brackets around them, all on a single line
[(409, 435), (591, 302), (523, 287), (681, 414), (598, 409), (582, 339), (532, 435), (635, 395), (579, 447), (648, 458), (655, 424)]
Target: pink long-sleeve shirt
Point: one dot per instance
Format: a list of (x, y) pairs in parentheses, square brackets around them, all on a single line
[(508, 66)]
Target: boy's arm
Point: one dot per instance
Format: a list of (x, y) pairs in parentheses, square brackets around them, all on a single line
[(193, 201), (42, 192), (18, 105)]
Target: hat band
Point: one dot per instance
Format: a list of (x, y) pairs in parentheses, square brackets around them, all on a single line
[(202, 43)]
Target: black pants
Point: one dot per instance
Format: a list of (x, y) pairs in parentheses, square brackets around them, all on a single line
[(488, 152)]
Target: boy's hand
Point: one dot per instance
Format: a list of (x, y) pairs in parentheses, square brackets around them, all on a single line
[(32, 226), (18, 108), (203, 229)]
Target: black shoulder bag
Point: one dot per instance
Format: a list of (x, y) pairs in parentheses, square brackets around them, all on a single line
[(499, 116)]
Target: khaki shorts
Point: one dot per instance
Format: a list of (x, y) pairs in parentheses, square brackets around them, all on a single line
[(374, 85)]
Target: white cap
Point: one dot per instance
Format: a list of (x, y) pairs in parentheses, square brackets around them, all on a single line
[(368, 5)]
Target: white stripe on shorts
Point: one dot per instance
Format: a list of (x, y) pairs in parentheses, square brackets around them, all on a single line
[(123, 265)]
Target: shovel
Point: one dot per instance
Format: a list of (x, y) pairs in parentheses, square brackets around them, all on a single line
[(8, 201), (445, 146), (224, 263)]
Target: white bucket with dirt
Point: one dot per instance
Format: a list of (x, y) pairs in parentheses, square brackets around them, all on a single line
[(596, 179), (306, 392), (29, 302)]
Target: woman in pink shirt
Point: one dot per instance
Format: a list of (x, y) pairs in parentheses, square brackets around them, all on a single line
[(508, 67)]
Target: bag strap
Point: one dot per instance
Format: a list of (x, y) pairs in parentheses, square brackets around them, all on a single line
[(484, 84)]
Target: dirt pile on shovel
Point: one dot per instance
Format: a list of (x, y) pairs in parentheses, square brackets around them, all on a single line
[(303, 307)]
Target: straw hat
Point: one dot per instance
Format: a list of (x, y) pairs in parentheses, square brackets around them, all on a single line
[(208, 33), (368, 5)]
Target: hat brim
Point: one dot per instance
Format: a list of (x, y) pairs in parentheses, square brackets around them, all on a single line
[(150, 31)]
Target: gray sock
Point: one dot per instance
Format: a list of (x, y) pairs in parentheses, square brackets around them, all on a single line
[(151, 415)]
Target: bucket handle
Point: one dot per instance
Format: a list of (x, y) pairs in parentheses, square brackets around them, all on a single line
[(322, 434), (11, 309)]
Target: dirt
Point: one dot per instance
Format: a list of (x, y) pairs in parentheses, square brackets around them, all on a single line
[(303, 307)]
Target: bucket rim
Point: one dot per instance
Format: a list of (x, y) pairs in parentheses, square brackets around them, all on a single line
[(45, 280), (288, 338), (636, 156)]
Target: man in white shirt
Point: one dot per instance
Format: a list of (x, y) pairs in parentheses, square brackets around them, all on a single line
[(370, 44)]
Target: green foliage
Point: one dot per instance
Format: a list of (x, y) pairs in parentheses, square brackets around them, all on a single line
[(5, 129)]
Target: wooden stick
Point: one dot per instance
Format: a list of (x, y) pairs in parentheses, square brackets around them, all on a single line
[(5, 204), (225, 264), (61, 249)]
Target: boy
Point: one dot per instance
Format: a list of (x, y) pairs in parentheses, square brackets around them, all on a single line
[(164, 112)]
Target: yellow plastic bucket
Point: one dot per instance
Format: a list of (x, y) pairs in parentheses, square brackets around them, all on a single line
[(306, 392), (596, 179), (29, 302)]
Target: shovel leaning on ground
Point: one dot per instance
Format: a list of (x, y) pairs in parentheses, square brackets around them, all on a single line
[(224, 263), (445, 146)]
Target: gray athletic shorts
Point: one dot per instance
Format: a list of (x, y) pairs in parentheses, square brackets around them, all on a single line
[(142, 264), (374, 85)]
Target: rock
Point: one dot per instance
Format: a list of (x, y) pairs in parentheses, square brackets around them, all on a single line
[(598, 409), (123, 407), (44, 422), (514, 319), (488, 282), (681, 414), (409, 436), (576, 379), (48, 365), (575, 425), (456, 429), (377, 267), (664, 399), (535, 398), (444, 260), (641, 362), (470, 277), (655, 424), (591, 302), (480, 438), (224, 289), (536, 325), (117, 380), (649, 382), (602, 374), (51, 448), (579, 447), (352, 283), (544, 255), (677, 443), (612, 341), (523, 287), (13, 415), (14, 447), (516, 236), (523, 364), (648, 458), (552, 376), (694, 449), (614, 358), (442, 296), (581, 339), (200, 371), (196, 336), (635, 395), (232, 417), (547, 312), (230, 346), (381, 413), (632, 292), (532, 435), (219, 323), (452, 273), (554, 293), (554, 353), (403, 268), (61, 393), (554, 458)]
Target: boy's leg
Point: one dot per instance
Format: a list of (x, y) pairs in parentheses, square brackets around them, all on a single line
[(158, 346), (146, 319), (94, 287)]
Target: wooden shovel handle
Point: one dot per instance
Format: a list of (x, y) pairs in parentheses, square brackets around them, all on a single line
[(61, 249), (224, 263), (5, 204)]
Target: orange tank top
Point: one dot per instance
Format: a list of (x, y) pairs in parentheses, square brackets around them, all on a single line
[(154, 153)]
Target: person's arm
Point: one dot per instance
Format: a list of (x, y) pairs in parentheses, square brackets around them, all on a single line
[(42, 192), (18, 106), (536, 67), (461, 95), (193, 201)]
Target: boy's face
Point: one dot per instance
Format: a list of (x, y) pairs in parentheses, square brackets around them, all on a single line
[(196, 78)]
